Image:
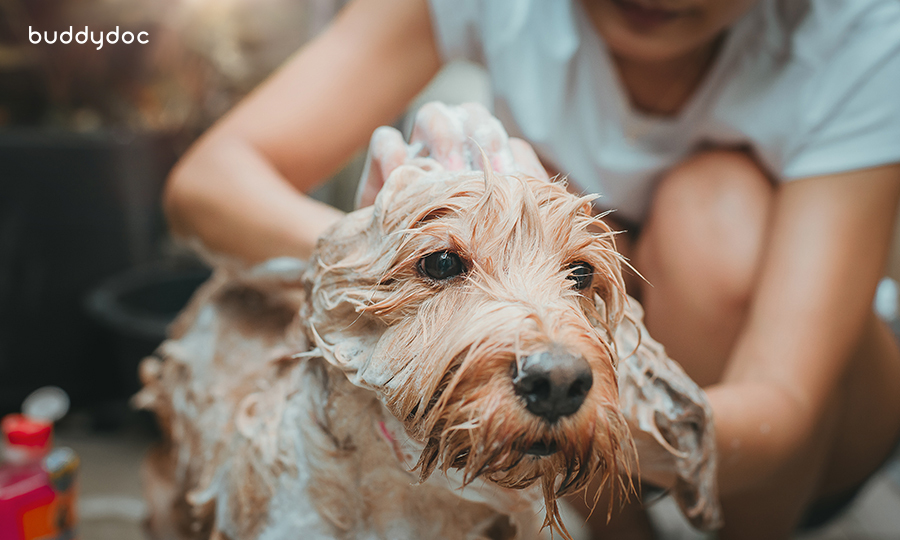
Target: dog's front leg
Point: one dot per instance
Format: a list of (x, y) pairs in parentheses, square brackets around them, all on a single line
[(670, 419)]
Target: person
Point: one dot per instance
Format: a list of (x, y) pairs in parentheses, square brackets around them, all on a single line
[(751, 147)]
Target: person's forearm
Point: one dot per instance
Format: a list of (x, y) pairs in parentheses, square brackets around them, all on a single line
[(756, 433), (239, 190), (827, 248), (226, 195)]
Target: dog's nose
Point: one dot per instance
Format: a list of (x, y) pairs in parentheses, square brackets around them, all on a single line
[(553, 383)]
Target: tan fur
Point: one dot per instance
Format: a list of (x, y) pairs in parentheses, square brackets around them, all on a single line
[(441, 353), (358, 398)]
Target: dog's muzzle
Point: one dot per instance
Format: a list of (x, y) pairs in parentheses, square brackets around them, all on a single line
[(553, 383)]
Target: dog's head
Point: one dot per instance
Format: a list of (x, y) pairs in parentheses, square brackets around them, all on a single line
[(481, 307)]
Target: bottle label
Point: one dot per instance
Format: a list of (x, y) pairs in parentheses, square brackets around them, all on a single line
[(39, 504)]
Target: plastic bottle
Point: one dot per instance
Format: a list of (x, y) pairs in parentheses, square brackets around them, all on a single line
[(37, 482)]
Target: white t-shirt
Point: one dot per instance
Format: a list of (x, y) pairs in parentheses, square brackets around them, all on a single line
[(811, 86)]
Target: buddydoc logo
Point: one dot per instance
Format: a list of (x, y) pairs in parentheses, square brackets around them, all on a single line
[(82, 36)]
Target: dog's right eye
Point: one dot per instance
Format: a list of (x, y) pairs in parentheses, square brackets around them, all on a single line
[(442, 265), (581, 273)]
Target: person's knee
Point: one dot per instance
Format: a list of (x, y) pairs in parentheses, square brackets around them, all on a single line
[(707, 226)]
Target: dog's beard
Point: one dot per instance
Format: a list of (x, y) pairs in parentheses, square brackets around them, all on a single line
[(475, 423), (447, 373)]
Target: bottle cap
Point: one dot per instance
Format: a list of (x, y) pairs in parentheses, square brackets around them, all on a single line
[(20, 430), (48, 403)]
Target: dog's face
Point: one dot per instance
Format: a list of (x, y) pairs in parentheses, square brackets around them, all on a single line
[(480, 307)]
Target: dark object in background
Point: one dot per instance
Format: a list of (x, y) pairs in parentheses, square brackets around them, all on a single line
[(135, 309), (74, 210)]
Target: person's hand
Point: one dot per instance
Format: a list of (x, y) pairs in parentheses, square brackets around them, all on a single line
[(456, 138)]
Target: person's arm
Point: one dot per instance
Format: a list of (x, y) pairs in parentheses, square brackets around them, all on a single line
[(827, 251), (239, 190)]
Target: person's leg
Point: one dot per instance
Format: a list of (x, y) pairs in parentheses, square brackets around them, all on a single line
[(699, 251), (869, 420)]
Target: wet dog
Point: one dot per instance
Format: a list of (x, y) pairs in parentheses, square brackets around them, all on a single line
[(453, 359)]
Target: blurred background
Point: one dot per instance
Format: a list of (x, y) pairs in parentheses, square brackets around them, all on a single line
[(89, 277)]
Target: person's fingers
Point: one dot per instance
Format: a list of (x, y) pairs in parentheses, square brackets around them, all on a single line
[(387, 151), (485, 133), (526, 159), (454, 138), (440, 130)]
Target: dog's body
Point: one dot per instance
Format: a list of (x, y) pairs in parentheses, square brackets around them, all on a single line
[(266, 445), (452, 360)]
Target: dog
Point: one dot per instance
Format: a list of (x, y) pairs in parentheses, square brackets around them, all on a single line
[(453, 359)]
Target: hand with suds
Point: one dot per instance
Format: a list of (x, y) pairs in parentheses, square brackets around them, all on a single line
[(453, 137)]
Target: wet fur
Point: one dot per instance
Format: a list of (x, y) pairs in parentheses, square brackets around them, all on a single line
[(442, 352), (355, 397)]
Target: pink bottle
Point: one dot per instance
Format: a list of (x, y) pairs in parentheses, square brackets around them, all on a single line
[(37, 492)]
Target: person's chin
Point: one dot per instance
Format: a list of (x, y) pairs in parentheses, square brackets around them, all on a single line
[(624, 43), (636, 32), (644, 17)]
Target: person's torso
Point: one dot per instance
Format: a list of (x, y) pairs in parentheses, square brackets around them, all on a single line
[(555, 85)]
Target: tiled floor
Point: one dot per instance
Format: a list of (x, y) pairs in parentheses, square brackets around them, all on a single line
[(110, 505), (874, 515)]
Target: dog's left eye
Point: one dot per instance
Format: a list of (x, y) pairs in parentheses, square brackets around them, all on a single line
[(582, 274), (442, 265)]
